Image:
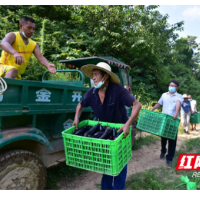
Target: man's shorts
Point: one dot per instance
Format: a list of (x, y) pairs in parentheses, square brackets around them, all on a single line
[(5, 68)]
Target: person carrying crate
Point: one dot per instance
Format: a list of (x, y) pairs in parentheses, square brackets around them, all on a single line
[(108, 100), (17, 50), (185, 113), (194, 110), (171, 102)]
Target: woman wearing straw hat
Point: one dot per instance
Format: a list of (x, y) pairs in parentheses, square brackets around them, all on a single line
[(108, 100), (185, 113)]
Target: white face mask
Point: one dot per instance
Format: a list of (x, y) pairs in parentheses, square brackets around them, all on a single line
[(100, 83), (25, 35)]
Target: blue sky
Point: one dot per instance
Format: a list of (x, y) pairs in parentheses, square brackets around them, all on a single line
[(190, 14)]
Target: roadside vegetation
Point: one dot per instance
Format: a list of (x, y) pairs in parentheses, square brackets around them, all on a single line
[(137, 35), (166, 178)]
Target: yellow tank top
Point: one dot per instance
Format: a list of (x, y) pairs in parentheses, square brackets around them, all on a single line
[(25, 50)]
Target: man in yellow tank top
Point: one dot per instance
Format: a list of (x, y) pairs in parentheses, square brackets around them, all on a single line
[(17, 50)]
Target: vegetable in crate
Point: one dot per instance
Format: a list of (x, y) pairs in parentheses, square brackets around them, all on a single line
[(105, 134), (102, 128), (119, 132), (97, 134), (79, 129), (109, 134), (114, 131), (82, 130), (92, 131)]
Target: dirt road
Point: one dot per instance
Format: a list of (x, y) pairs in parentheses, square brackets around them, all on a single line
[(143, 159)]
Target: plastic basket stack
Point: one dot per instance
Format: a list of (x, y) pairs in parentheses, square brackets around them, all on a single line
[(158, 124)]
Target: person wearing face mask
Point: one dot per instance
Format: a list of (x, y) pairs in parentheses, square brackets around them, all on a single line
[(171, 102), (17, 50), (108, 100)]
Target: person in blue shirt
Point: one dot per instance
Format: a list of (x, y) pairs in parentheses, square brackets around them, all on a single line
[(108, 100), (171, 102), (185, 113)]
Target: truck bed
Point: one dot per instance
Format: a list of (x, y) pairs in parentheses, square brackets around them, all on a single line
[(24, 97)]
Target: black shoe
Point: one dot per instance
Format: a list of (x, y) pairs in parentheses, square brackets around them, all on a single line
[(162, 155), (184, 131), (169, 162), (187, 133)]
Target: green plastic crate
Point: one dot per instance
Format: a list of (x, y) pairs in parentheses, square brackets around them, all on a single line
[(194, 119), (98, 155), (158, 123)]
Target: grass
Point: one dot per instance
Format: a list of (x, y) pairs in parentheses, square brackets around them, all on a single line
[(166, 178), (140, 141), (61, 172)]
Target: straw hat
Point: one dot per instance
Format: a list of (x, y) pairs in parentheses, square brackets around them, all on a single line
[(87, 71), (185, 96)]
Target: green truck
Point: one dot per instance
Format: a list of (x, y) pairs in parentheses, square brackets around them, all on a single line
[(32, 116)]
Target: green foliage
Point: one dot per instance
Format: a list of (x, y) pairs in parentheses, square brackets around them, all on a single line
[(166, 178), (146, 181), (139, 36)]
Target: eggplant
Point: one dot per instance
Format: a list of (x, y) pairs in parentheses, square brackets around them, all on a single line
[(97, 133), (82, 130), (102, 128), (96, 136), (79, 128), (119, 133), (114, 133), (111, 136), (92, 131), (105, 134), (75, 131)]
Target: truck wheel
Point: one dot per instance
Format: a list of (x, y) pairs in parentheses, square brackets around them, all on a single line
[(22, 170), (132, 136)]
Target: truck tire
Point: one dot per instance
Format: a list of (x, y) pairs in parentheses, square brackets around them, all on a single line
[(21, 170), (132, 136)]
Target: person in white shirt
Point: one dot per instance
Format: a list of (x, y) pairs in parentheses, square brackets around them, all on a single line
[(171, 102), (193, 108)]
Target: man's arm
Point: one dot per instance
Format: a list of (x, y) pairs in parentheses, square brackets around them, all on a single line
[(135, 110), (156, 106), (79, 110), (194, 106), (6, 45), (160, 103), (191, 109), (43, 60), (178, 105)]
